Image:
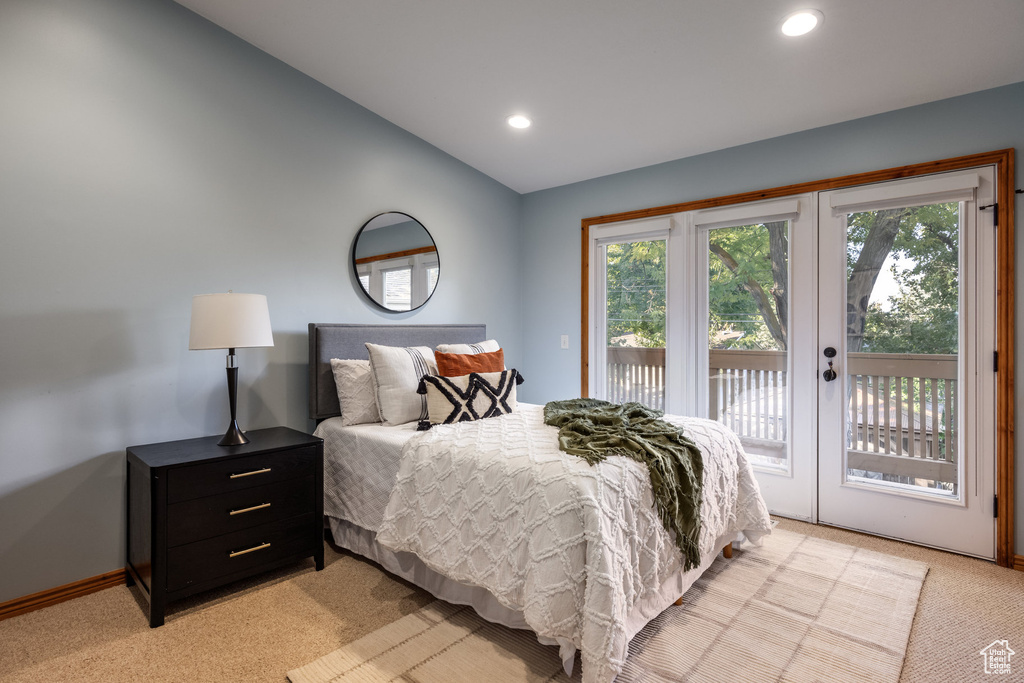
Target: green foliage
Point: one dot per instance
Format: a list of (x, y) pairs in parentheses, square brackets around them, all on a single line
[(923, 316), (735, 321), (636, 293)]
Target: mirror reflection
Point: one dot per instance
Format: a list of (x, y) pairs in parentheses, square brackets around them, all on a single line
[(396, 261)]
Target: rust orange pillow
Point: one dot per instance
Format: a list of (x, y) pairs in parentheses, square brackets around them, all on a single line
[(459, 364)]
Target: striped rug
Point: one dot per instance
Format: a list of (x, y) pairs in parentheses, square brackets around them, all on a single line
[(796, 609)]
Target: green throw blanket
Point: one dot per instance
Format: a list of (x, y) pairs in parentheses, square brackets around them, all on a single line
[(594, 429)]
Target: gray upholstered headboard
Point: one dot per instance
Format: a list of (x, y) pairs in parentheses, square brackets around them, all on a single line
[(327, 341)]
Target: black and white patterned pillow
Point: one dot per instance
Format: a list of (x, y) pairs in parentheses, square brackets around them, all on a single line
[(470, 397)]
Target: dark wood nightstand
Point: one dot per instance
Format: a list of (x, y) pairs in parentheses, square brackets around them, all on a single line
[(201, 515)]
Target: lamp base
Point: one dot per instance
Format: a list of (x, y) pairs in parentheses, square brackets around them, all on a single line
[(234, 436)]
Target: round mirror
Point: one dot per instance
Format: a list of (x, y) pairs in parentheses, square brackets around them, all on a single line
[(396, 262)]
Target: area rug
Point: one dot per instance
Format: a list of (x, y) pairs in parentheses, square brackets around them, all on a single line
[(796, 609)]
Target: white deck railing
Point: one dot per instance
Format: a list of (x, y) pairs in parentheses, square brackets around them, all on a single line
[(636, 374), (748, 393), (903, 407), (905, 410)]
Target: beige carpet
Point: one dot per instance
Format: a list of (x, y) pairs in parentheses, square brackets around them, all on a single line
[(798, 609), (255, 631)]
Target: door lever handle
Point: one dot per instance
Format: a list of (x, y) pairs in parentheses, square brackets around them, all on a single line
[(830, 374)]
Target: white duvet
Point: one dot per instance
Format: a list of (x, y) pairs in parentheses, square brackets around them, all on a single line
[(494, 503)]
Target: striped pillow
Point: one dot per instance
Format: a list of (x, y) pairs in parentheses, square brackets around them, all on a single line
[(488, 346), (396, 374)]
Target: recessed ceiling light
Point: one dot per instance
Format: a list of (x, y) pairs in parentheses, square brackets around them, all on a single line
[(804, 21), (519, 121)]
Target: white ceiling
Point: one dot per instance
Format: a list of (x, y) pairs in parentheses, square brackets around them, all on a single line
[(619, 84)]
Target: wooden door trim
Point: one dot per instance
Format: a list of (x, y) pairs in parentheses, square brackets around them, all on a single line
[(1003, 160)]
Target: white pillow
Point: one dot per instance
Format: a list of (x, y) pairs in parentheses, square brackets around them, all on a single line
[(489, 346), (396, 374), (355, 391)]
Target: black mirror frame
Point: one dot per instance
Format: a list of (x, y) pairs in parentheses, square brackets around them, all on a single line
[(355, 270)]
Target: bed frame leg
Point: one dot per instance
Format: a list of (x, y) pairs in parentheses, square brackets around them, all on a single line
[(727, 552)]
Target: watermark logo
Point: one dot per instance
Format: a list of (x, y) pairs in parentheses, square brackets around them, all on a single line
[(997, 657)]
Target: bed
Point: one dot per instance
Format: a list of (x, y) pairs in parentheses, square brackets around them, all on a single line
[(490, 514)]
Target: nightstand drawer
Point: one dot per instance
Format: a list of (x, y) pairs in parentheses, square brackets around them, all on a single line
[(242, 551), (194, 520), (180, 496), (235, 474)]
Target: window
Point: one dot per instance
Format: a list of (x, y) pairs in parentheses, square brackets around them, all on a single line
[(398, 288)]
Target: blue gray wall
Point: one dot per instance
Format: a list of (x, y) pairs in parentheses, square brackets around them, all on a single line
[(392, 238), (145, 156), (981, 122)]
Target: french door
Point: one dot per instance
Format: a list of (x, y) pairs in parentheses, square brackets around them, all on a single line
[(754, 316), (847, 337), (906, 351)]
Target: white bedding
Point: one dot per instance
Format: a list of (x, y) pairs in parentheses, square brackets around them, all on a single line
[(360, 465), (580, 551)]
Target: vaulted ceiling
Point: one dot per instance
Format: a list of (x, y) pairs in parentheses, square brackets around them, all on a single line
[(614, 85)]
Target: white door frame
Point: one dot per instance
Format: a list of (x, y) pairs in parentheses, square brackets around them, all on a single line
[(1003, 160), (966, 524), (791, 492)]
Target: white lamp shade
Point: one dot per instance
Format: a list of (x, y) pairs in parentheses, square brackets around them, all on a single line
[(229, 321)]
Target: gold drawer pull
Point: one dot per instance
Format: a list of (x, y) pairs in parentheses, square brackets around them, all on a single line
[(249, 474), (254, 507), (249, 550)]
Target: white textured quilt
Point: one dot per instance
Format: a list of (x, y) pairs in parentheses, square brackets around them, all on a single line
[(360, 463), (494, 503)]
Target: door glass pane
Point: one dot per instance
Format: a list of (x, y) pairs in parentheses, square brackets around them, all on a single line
[(902, 344), (748, 323), (635, 296)]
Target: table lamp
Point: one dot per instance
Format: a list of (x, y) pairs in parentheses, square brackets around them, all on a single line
[(230, 321)]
